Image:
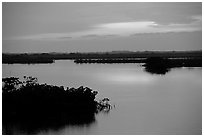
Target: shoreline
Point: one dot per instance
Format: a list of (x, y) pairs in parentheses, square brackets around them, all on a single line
[(106, 57)]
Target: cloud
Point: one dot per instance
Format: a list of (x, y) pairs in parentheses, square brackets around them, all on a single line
[(122, 29)]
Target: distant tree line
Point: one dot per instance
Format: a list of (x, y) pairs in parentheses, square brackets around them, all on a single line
[(50, 57)]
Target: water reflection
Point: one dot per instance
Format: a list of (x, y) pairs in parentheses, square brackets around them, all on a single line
[(125, 76), (157, 70), (34, 125), (145, 103)]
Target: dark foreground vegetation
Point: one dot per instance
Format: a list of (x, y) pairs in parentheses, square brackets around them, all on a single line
[(31, 106), (92, 57)]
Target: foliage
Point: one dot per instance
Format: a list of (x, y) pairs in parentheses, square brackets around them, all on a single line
[(27, 99)]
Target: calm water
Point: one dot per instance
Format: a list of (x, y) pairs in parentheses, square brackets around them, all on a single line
[(144, 103)]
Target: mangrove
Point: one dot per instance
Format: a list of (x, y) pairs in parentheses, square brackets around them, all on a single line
[(34, 105)]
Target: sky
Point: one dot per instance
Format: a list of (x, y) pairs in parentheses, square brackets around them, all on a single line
[(102, 26)]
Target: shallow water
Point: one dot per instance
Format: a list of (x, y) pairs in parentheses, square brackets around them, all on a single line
[(144, 103)]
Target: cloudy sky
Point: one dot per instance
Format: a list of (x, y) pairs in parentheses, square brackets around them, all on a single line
[(84, 27)]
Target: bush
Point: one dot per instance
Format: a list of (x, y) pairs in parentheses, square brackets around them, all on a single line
[(29, 100)]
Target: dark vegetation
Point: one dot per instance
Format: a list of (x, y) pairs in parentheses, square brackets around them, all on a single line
[(159, 65), (25, 59), (33, 106), (115, 57), (175, 62), (155, 65), (110, 61)]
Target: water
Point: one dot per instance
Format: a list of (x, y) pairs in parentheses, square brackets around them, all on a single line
[(145, 103)]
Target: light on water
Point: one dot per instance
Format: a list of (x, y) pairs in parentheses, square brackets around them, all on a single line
[(126, 77), (145, 103), (130, 78)]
